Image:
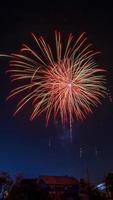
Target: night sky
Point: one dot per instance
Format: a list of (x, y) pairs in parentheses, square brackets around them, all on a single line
[(29, 147)]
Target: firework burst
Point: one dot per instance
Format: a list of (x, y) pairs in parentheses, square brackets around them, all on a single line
[(66, 84)]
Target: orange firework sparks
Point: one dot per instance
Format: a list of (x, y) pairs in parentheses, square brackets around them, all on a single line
[(68, 84)]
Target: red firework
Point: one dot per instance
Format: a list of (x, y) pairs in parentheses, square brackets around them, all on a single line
[(68, 84)]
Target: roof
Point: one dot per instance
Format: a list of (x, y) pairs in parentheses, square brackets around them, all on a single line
[(58, 180)]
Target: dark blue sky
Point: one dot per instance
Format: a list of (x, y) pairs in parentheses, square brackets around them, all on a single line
[(29, 147)]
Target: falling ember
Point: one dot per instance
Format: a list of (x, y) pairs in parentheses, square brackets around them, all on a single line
[(68, 84)]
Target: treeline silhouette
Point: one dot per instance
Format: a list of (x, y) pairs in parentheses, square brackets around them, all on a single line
[(27, 189)]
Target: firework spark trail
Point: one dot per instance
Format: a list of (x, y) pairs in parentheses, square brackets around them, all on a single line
[(68, 85)]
